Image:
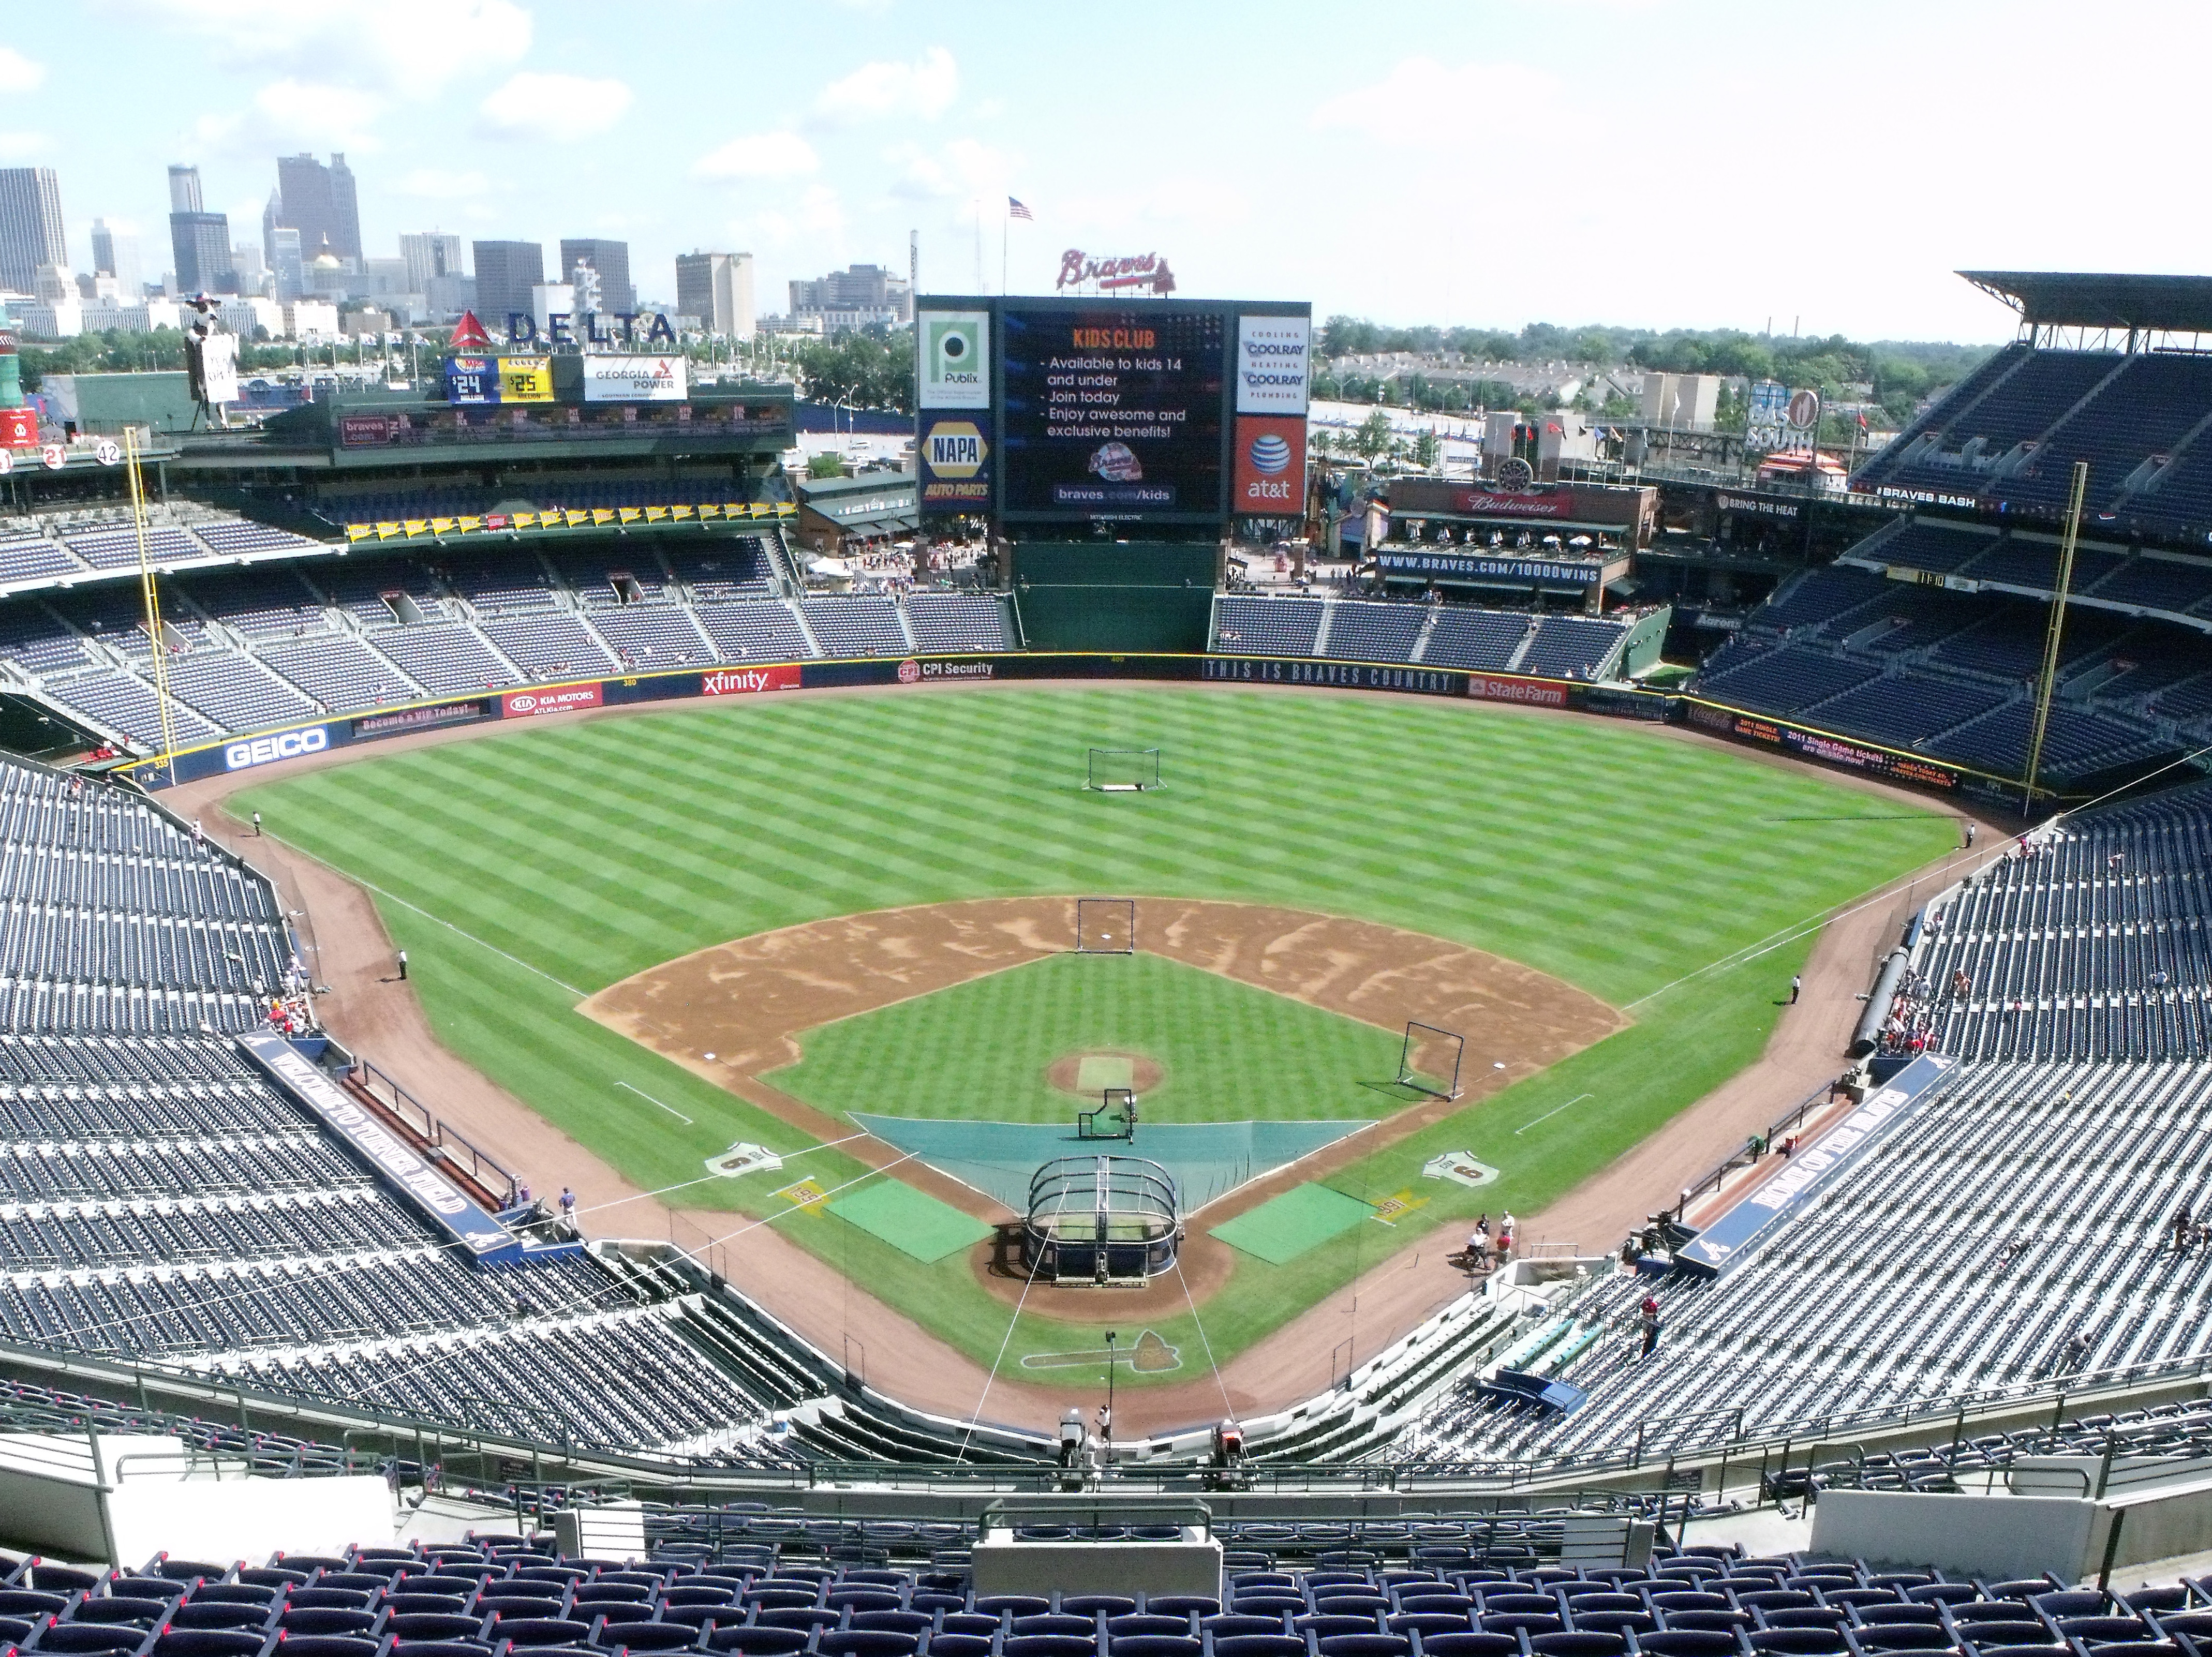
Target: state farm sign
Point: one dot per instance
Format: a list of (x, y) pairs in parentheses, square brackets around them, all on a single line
[(1530, 692), (746, 681), (548, 699)]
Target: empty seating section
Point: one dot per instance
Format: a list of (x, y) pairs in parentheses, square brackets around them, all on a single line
[(340, 671), (1375, 632), (764, 1582), (653, 635), (2168, 583), (445, 658), (552, 645), (2162, 396), (1958, 447), (236, 692), (241, 536), (2097, 946), (1479, 641), (1267, 627), (947, 622), (735, 567), (1571, 647), (361, 589), (263, 604), (1882, 467), (38, 643), (761, 631), (1954, 674), (498, 583), (28, 557), (118, 548), (123, 703), (550, 493), (857, 627)]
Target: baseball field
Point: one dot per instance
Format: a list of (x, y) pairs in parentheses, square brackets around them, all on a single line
[(778, 922)]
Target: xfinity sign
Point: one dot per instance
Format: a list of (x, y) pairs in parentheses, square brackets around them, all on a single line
[(267, 750)]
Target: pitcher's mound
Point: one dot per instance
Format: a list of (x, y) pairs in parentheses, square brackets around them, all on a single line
[(1089, 1074)]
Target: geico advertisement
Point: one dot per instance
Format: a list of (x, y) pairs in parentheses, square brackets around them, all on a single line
[(266, 750)]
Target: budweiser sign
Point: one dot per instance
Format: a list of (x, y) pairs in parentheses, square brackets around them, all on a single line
[(745, 681), (1145, 271)]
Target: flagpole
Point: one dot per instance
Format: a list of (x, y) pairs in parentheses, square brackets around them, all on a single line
[(1006, 233)]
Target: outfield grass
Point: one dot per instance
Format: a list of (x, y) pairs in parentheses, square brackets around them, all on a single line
[(980, 1050), (521, 871)]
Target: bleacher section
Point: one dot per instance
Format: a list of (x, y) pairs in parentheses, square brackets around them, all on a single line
[(1436, 635), (162, 1204), (1950, 670)]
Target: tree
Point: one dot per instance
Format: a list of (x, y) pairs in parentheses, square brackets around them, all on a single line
[(1428, 450), (1371, 440)]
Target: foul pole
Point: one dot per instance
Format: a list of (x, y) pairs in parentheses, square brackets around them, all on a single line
[(2051, 640)]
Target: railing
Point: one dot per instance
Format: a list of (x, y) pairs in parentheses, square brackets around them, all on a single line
[(433, 1132)]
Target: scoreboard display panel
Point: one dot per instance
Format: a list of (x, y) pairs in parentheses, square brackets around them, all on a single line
[(1114, 411)]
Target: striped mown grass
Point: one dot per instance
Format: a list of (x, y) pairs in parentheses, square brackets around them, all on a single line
[(523, 872)]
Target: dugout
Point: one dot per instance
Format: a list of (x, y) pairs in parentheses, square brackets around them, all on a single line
[(1137, 596)]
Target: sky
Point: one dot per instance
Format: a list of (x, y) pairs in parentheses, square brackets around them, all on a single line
[(1654, 163)]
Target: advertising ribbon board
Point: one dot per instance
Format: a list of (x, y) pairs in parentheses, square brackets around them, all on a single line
[(548, 699), (399, 1163)]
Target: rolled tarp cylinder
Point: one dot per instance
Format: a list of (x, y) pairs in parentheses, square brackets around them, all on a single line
[(1868, 1036)]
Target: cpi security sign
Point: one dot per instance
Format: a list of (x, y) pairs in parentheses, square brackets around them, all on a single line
[(955, 358), (1271, 354)]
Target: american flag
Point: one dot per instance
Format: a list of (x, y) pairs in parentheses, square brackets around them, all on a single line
[(1016, 210)]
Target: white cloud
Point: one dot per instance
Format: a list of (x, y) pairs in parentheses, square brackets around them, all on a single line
[(759, 155), (18, 73), (948, 171), (409, 48), (319, 116), (438, 184), (874, 92), (556, 106), (21, 146)]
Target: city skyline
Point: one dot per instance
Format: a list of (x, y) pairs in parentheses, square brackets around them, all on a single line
[(1442, 175)]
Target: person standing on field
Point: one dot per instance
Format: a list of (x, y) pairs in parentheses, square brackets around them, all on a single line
[(1797, 987)]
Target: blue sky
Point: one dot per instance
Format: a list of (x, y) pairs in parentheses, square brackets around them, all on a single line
[(1656, 163)]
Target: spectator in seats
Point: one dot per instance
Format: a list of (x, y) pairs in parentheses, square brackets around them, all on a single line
[(2181, 1225), (1648, 1317), (1789, 1146), (2077, 1352)]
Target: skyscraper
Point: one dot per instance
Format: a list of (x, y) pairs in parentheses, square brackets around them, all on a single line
[(289, 263), (30, 225), (116, 255), (717, 289), (610, 259), (318, 202), (506, 272), (430, 254), (200, 241)]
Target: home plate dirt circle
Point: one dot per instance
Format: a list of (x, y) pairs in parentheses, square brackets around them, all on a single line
[(1086, 1075)]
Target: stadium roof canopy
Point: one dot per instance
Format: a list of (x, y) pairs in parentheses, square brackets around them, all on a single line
[(2077, 300)]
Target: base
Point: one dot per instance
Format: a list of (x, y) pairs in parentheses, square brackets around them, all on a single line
[(1119, 787)]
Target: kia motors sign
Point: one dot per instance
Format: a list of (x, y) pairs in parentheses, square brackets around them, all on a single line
[(548, 699), (625, 379), (749, 681)]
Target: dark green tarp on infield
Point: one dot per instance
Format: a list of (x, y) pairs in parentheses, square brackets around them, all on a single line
[(1207, 1159)]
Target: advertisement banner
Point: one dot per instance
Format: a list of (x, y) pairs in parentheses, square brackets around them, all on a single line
[(1270, 476), (368, 431), (1471, 566), (1817, 745), (526, 379), (1529, 693), (955, 370), (626, 379), (1112, 412), (955, 472), (400, 721), (1272, 354), (750, 681), (284, 745), (403, 1167), (471, 380), (548, 699)]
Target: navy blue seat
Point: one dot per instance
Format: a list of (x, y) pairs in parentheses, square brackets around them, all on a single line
[(206, 1642), (1693, 1642), (755, 1640), (1260, 1645), (644, 1635), (1797, 1641), (87, 1637), (867, 1642), (1154, 1645), (960, 1644)]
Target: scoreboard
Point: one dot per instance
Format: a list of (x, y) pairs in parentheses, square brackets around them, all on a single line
[(1068, 411)]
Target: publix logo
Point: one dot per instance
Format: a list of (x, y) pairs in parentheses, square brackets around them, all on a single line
[(1269, 454)]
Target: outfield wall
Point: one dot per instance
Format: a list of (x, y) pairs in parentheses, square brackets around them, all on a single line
[(534, 702)]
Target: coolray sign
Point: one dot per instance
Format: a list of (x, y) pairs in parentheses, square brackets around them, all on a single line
[(1272, 355), (955, 472), (1532, 693), (635, 379), (955, 370), (267, 750), (467, 1221), (548, 699), (1269, 478), (749, 681), (562, 328), (1468, 565)]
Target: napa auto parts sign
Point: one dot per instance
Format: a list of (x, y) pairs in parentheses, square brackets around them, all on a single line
[(620, 378), (548, 699), (749, 681)]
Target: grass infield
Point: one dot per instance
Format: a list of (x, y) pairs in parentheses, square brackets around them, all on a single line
[(1612, 856), (912, 1222)]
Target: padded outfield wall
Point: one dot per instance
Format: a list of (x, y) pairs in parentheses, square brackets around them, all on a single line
[(1625, 701)]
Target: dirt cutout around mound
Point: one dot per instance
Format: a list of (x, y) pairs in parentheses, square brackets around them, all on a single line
[(1065, 1074), (747, 1002)]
